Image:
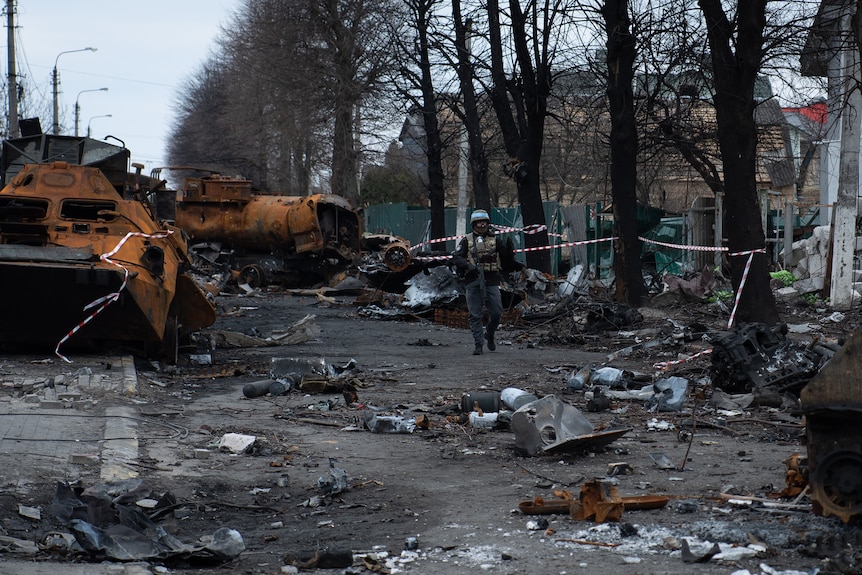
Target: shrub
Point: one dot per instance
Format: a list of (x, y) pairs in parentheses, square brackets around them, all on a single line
[(786, 277)]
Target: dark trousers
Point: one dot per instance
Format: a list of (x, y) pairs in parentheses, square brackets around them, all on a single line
[(477, 301)]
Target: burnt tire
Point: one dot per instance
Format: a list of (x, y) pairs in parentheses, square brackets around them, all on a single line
[(253, 275), (836, 484)]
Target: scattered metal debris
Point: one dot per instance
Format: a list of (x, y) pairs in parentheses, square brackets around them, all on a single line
[(388, 423), (337, 482), (106, 526), (755, 356), (550, 425)]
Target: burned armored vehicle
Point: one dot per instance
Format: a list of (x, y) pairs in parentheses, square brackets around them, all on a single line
[(85, 261), (832, 404), (294, 241)]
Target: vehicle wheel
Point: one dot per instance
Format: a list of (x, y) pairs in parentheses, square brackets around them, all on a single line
[(836, 484), (253, 275)]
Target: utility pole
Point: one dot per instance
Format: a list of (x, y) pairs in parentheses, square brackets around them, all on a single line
[(78, 106), (845, 211), (55, 81), (12, 80), (463, 156)]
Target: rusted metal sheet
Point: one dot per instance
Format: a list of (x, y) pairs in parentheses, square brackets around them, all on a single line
[(549, 425), (270, 235), (832, 404), (84, 263)]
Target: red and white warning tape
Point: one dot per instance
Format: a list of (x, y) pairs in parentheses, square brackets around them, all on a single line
[(531, 229), (521, 250), (683, 246), (536, 228), (666, 364), (432, 258), (435, 241), (106, 300), (565, 245), (750, 254)]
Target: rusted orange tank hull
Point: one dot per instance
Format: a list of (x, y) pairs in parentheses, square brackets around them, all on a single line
[(224, 210), (82, 265)]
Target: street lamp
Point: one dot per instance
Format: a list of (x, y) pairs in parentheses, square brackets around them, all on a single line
[(78, 108), (56, 82), (93, 118)]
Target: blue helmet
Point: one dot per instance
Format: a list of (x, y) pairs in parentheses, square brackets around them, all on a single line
[(478, 215)]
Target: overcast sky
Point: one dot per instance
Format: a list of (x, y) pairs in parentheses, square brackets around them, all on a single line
[(145, 50)]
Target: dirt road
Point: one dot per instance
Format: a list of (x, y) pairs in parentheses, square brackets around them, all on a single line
[(317, 488)]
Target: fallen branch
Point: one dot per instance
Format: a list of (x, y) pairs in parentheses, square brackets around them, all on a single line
[(241, 506), (765, 422), (713, 426), (551, 479), (681, 466), (802, 494), (315, 421), (768, 502), (585, 542)]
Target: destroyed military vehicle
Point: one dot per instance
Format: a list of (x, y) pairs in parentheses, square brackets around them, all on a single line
[(85, 262), (293, 241)]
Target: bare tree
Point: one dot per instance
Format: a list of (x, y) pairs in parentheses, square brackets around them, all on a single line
[(630, 286), (292, 80), (470, 113), (521, 104), (358, 53), (736, 49), (202, 108), (415, 83), (240, 117)]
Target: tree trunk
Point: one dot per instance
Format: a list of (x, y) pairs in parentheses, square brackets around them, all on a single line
[(344, 170), (523, 145), (478, 160), (845, 211), (530, 198), (630, 287), (734, 75), (433, 152)]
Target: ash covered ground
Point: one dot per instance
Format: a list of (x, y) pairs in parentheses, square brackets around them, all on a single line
[(318, 491)]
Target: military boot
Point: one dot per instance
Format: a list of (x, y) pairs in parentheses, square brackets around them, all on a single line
[(490, 337)]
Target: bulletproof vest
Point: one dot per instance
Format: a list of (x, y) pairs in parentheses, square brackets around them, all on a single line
[(483, 253)]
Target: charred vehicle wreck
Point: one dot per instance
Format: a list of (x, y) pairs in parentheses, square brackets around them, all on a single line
[(824, 376), (86, 261), (832, 405), (287, 240)]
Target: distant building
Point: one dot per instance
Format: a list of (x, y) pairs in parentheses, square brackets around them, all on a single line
[(576, 158), (825, 55)]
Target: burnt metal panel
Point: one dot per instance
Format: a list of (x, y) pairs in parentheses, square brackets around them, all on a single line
[(112, 160)]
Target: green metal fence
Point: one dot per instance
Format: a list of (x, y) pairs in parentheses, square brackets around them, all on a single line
[(413, 224)]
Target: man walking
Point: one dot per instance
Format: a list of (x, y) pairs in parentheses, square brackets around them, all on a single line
[(480, 259)]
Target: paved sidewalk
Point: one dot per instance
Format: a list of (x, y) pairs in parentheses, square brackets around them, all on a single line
[(31, 568), (53, 424), (61, 422)]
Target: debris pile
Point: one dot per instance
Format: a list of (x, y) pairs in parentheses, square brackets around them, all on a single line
[(108, 522)]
